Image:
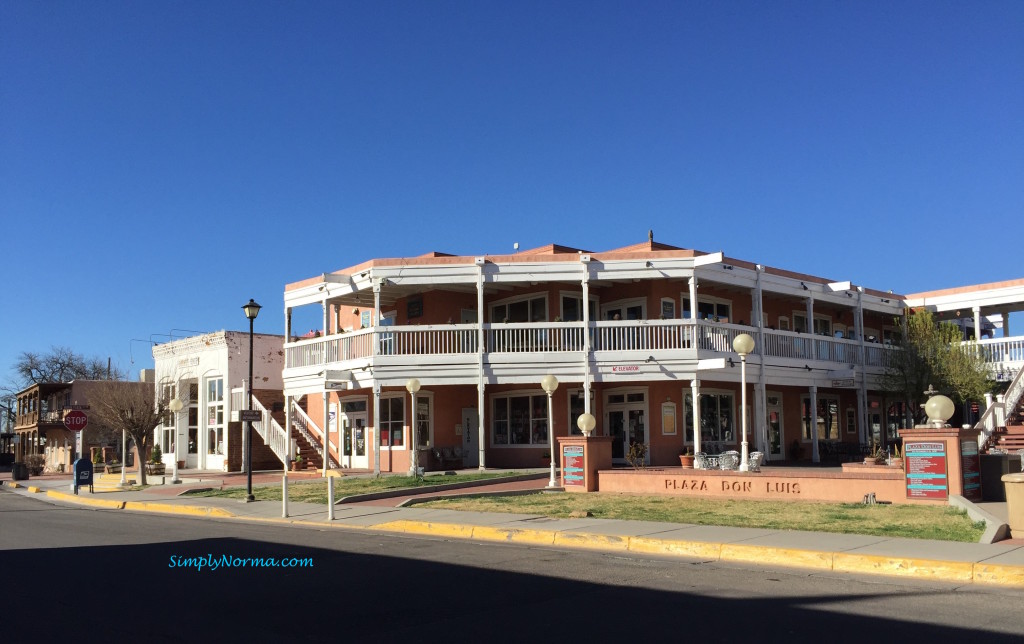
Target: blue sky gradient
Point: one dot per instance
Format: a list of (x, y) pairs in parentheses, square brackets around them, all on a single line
[(161, 163)]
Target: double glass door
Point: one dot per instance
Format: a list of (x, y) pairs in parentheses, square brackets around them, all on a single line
[(628, 432)]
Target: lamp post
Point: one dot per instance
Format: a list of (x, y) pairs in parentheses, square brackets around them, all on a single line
[(743, 344), (252, 309), (550, 383), (175, 406), (413, 386), (124, 458), (586, 423)]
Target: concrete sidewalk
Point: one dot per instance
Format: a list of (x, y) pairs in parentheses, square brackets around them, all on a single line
[(997, 564)]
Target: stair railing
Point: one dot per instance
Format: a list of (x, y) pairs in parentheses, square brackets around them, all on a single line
[(269, 430), (312, 433), (995, 416)]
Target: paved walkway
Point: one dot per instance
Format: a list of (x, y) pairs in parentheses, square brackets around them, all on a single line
[(999, 563)]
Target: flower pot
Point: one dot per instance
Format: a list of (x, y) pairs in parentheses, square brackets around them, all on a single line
[(686, 460), (298, 466)]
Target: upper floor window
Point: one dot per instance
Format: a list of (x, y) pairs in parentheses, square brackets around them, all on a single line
[(709, 309), (572, 308)]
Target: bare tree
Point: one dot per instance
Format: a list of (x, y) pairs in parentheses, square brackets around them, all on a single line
[(62, 364), (130, 407)]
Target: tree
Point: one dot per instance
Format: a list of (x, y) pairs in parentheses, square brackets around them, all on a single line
[(933, 354), (62, 364), (130, 407)]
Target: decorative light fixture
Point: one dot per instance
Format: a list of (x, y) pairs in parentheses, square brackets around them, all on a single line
[(412, 387), (175, 406), (743, 344), (586, 423), (252, 309), (803, 286), (549, 384)]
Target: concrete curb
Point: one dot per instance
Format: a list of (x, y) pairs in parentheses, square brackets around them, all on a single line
[(936, 570)]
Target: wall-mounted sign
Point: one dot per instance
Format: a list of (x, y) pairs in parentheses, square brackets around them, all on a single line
[(625, 368), (843, 382)]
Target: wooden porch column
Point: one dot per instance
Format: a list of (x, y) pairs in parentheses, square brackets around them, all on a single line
[(480, 384), (810, 330), (376, 428), (695, 394)]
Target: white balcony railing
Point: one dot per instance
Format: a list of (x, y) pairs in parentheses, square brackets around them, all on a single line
[(605, 335)]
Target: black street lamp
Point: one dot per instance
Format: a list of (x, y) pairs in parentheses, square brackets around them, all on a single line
[(252, 309)]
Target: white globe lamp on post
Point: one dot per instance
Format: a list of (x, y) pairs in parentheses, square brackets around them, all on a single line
[(586, 423), (412, 387), (175, 407), (743, 344), (550, 383), (939, 409)]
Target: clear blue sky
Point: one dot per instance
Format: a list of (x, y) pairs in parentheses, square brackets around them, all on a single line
[(163, 162)]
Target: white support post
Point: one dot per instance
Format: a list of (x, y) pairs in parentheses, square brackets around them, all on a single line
[(812, 354), (284, 495), (480, 384), (695, 394), (585, 286), (330, 498), (376, 428), (814, 424), (327, 434), (482, 424), (977, 323)]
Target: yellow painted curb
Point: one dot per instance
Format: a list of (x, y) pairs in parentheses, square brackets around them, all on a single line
[(694, 549), (13, 484), (426, 527), (999, 575), (514, 535), (591, 541), (34, 489), (903, 566), (777, 556), (99, 503), (191, 510)]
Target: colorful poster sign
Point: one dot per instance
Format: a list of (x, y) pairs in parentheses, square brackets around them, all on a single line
[(970, 468), (572, 465), (926, 470)]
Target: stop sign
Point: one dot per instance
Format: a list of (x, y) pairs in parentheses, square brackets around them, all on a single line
[(76, 420)]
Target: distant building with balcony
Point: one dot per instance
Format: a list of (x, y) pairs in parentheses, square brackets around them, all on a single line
[(39, 420), (640, 337)]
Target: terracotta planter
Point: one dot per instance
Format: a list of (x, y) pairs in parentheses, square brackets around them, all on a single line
[(686, 460), (298, 466)]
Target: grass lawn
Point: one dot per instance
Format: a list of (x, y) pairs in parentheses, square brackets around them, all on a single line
[(315, 491), (897, 520)]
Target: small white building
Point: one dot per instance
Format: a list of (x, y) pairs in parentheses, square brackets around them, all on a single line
[(201, 372)]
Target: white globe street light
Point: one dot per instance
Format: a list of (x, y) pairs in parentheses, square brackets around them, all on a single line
[(412, 387), (586, 423), (175, 406), (550, 383), (743, 344)]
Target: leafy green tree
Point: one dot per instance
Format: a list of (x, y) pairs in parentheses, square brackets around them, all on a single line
[(933, 354)]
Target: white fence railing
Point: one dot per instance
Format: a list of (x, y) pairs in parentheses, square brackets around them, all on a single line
[(995, 416), (609, 335)]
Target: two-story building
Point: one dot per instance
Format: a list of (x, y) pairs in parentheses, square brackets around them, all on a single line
[(39, 420), (640, 337)]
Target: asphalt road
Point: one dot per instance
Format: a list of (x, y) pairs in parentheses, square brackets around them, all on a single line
[(115, 576)]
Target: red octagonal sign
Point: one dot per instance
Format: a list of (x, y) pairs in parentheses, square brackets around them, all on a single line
[(76, 420)]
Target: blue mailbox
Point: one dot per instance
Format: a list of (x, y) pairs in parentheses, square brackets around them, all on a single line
[(83, 473)]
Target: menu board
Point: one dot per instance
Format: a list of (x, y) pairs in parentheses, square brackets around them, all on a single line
[(572, 465), (925, 465), (970, 467)]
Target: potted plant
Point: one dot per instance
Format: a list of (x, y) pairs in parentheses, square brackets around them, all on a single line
[(298, 464), (156, 461), (686, 457), (545, 459), (896, 460)]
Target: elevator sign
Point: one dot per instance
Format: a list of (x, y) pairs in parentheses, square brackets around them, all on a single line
[(76, 420)]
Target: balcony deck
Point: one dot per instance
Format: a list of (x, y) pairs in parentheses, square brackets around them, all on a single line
[(451, 353)]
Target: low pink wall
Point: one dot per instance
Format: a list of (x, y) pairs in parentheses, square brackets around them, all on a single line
[(782, 484)]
